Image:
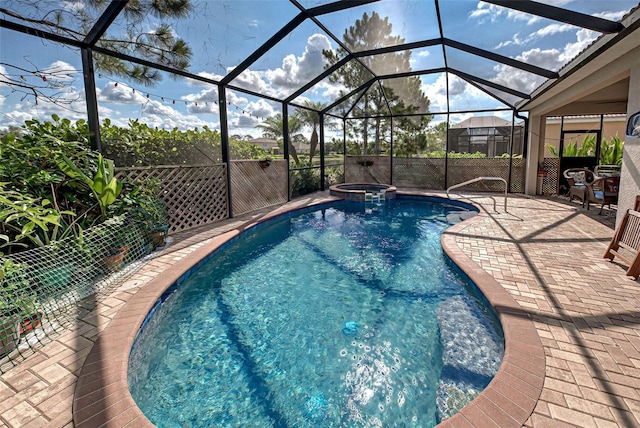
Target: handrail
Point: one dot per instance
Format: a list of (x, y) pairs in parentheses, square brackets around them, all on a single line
[(475, 180)]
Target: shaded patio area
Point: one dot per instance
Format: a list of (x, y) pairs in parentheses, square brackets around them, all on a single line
[(546, 252)]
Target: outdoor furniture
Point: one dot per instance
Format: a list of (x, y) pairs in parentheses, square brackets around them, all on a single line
[(578, 178), (626, 243), (603, 191), (607, 170)]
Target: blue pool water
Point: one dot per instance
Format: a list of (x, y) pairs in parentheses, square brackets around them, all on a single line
[(348, 315)]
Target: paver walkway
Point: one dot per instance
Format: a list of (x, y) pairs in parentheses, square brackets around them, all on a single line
[(546, 252)]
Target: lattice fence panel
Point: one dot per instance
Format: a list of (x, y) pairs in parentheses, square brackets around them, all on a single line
[(367, 169), (193, 195), (518, 175), (426, 173), (461, 170), (254, 187), (550, 183)]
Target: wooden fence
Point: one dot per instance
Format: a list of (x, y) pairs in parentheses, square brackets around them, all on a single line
[(197, 195), (429, 173)]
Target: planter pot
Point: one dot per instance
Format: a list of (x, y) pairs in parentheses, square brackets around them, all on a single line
[(159, 234), (30, 322), (115, 259), (9, 333), (158, 238)]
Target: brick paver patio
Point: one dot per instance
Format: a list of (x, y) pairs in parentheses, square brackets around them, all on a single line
[(545, 252)]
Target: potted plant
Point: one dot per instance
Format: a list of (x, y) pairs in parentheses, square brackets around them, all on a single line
[(17, 303), (141, 203), (264, 163), (110, 243)]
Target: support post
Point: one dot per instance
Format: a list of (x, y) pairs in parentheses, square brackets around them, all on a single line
[(323, 185), (285, 145), (92, 100), (224, 142)]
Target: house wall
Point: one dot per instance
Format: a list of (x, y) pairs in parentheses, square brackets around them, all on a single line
[(630, 175), (570, 97), (610, 127)]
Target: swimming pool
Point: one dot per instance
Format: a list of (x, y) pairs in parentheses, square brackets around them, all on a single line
[(344, 315)]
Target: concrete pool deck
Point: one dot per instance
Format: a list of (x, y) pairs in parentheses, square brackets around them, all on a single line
[(581, 369)]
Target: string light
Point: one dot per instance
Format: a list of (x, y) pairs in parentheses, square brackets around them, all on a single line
[(149, 96)]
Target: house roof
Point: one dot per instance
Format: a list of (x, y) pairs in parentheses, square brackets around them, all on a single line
[(484, 122), (500, 66), (262, 140)]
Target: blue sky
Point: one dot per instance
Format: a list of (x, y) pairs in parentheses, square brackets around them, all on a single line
[(222, 34)]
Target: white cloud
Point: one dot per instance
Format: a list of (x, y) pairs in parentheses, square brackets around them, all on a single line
[(3, 72), (437, 94), (550, 30), (584, 39), (206, 101), (296, 71), (73, 108), (489, 12), (550, 59), (120, 93), (522, 80), (612, 15), (193, 82), (261, 109), (244, 116), (254, 81), (515, 40)]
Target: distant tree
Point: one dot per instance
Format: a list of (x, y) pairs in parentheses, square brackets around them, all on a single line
[(400, 96), (436, 137), (158, 44), (310, 117), (272, 128)]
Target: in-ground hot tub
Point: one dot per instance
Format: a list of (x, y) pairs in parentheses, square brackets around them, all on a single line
[(363, 191)]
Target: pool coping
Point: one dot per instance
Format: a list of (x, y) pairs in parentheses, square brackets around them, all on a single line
[(102, 397)]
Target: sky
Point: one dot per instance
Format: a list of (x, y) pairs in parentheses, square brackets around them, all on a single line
[(222, 34)]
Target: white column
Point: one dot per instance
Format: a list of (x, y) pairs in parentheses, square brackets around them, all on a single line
[(630, 175), (535, 152)]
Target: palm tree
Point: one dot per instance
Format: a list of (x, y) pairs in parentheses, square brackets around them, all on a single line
[(311, 117), (272, 128)]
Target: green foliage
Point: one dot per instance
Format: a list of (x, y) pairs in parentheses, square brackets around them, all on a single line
[(15, 294), (104, 185), (552, 150), (410, 137), (140, 145), (611, 151), (29, 162), (141, 202), (403, 95), (571, 149), (272, 128), (26, 217), (304, 181), (41, 203), (334, 175)]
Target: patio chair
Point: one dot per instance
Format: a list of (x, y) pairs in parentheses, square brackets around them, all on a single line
[(578, 178), (626, 243), (603, 191), (607, 170)]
